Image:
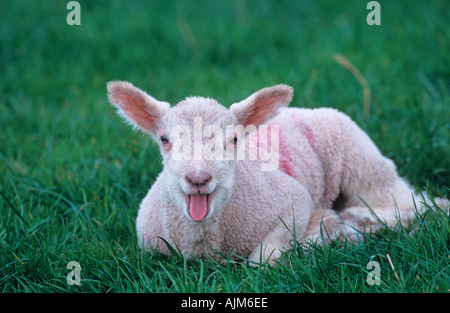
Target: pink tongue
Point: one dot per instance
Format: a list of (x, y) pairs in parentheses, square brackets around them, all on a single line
[(198, 207)]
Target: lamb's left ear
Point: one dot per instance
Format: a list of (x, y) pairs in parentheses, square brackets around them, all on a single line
[(262, 105), (136, 106)]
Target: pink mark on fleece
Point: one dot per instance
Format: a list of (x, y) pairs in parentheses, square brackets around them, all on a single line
[(285, 161), (286, 164), (305, 129)]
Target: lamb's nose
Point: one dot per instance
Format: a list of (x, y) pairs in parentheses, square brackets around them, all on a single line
[(198, 182)]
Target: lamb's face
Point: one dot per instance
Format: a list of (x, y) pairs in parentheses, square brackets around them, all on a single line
[(197, 142)]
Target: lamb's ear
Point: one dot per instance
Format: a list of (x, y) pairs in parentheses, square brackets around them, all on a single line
[(262, 105), (136, 106)]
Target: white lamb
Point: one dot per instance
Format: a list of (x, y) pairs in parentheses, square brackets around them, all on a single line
[(324, 172)]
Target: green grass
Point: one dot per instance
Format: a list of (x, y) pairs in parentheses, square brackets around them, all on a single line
[(72, 173)]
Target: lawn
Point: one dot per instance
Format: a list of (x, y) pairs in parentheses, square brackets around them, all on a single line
[(72, 174)]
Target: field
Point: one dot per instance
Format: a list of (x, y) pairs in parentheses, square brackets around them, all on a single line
[(72, 174)]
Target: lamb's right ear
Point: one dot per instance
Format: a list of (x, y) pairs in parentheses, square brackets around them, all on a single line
[(136, 106), (262, 105)]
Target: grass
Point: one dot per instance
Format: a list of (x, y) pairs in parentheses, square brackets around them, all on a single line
[(72, 174)]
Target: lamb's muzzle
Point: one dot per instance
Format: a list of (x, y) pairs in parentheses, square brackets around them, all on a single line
[(198, 182)]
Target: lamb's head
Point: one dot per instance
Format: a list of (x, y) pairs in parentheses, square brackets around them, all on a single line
[(198, 139)]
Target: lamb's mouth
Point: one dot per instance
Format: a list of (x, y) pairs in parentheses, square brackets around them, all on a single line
[(198, 205)]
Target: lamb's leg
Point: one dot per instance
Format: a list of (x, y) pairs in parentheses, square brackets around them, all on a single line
[(324, 226), (367, 178), (294, 221), (148, 224), (270, 249), (399, 206), (370, 180), (328, 224), (390, 202)]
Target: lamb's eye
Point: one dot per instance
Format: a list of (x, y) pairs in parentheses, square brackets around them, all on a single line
[(235, 140), (164, 139)]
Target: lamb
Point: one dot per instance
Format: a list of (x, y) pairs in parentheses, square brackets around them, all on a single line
[(322, 172)]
